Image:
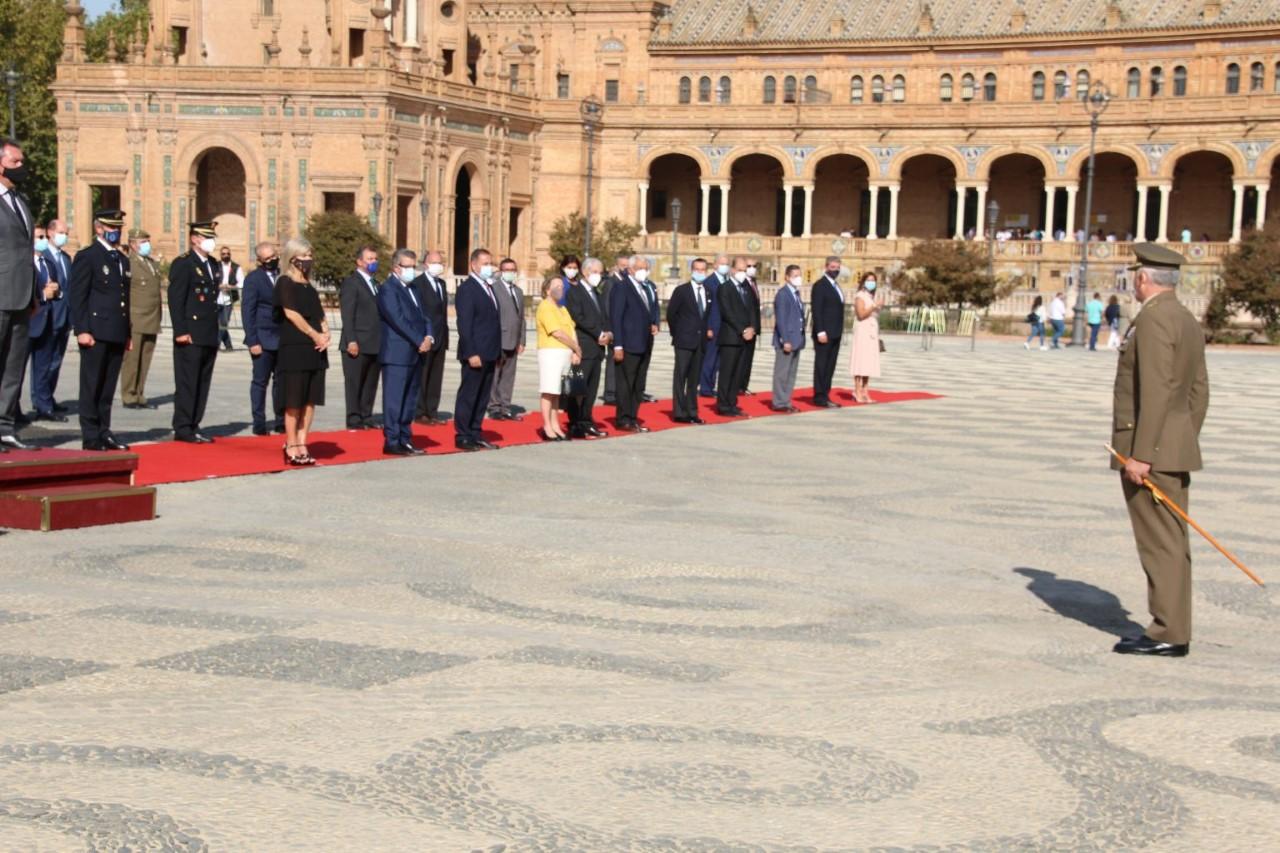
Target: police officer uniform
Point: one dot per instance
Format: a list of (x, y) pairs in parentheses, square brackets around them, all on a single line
[(144, 320), (193, 312), (1161, 398), (99, 296)]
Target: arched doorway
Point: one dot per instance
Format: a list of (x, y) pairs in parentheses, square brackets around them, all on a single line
[(755, 195), (841, 198), (220, 196), (1016, 183), (1115, 196), (926, 202), (1272, 213), (462, 221), (1203, 198), (674, 176)]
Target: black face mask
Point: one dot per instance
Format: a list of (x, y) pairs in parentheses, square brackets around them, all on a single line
[(272, 265), (16, 174), (303, 266)]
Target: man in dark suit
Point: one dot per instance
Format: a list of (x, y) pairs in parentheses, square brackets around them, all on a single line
[(262, 337), (434, 297), (145, 313), (631, 319), (361, 337), (621, 272), (193, 312), (687, 314), (590, 316), (99, 296), (711, 354), (788, 339), (640, 272), (47, 330), (58, 257), (479, 348), (17, 288), (735, 332), (406, 339), (826, 302), (752, 293)]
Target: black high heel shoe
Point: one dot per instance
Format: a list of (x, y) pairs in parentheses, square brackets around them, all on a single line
[(542, 434)]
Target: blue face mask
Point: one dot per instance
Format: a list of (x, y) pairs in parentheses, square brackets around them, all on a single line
[(699, 277), (486, 272), (870, 286), (372, 267), (42, 245), (112, 237), (144, 249)]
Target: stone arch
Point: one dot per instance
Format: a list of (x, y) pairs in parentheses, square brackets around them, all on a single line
[(811, 163), (926, 198), (474, 163), (219, 188), (1203, 197), (894, 172), (841, 193), (195, 149), (1115, 194), (1233, 155), (783, 158), (1075, 164), (982, 171), (646, 162), (1016, 181), (756, 195), (674, 175), (1267, 162)]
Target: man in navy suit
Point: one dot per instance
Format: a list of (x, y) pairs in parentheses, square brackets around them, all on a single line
[(262, 337), (711, 355), (788, 339), (434, 296), (736, 330), (687, 314), (51, 324), (406, 340), (479, 348), (827, 303), (641, 271), (631, 319)]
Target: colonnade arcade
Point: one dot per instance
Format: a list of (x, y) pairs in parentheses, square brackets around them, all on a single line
[(1155, 192)]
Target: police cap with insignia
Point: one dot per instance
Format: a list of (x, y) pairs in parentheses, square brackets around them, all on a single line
[(139, 234), (1153, 256), (204, 229), (110, 217)]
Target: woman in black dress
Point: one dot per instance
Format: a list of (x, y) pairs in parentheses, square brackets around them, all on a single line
[(304, 343)]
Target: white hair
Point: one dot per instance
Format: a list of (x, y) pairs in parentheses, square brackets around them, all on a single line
[(1163, 276)]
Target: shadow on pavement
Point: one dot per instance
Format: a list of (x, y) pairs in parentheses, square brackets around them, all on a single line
[(1081, 601)]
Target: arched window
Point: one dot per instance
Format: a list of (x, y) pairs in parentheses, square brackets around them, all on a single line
[(704, 90), (1059, 85), (1233, 79), (724, 91), (877, 89), (1037, 86), (1179, 81), (966, 87), (1157, 81), (989, 86), (944, 87), (770, 90), (810, 89), (1134, 85), (1082, 84), (686, 90), (1257, 77), (788, 90), (855, 89), (899, 89)]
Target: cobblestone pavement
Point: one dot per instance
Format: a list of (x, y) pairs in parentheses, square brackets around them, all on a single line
[(883, 628)]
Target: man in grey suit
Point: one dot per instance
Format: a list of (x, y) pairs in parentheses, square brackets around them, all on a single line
[(788, 339), (511, 314), (17, 288)]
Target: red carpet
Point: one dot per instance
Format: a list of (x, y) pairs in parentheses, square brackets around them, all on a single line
[(176, 462)]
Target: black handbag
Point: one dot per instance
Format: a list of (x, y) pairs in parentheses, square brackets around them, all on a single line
[(573, 383)]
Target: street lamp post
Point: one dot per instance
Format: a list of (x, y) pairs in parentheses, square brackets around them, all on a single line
[(590, 109), (424, 207), (993, 216), (675, 237), (377, 209), (1095, 102), (11, 79)]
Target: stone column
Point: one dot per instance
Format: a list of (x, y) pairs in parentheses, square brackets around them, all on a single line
[(806, 227), (1140, 234), (644, 207), (873, 227), (1050, 202), (1237, 212), (724, 209), (786, 209), (1162, 230), (1072, 190), (961, 193), (706, 209), (980, 229), (411, 23), (1261, 220), (893, 211)]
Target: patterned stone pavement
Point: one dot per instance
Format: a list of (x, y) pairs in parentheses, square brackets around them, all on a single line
[(874, 629)]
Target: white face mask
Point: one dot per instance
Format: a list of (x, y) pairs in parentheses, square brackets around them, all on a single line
[(740, 276), (510, 276), (570, 273), (641, 275), (207, 245), (486, 272), (722, 270), (435, 269), (593, 279), (407, 274), (59, 240), (796, 282), (751, 272)]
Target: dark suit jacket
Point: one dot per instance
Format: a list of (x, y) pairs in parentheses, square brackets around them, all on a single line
[(735, 316), (655, 307), (685, 321), (193, 298), (404, 323), (257, 311), (100, 293), (788, 319), (630, 319), (436, 309), (360, 320), (590, 319), (17, 261), (51, 314), (826, 309), (60, 313), (752, 291), (479, 327), (712, 284)]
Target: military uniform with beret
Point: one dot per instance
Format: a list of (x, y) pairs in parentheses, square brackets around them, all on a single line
[(193, 311), (145, 313), (1161, 399), (99, 296)]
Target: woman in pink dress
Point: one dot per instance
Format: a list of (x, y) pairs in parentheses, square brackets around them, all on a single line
[(866, 338)]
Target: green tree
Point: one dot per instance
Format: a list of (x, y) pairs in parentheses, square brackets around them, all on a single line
[(31, 44), (607, 240), (335, 237), (946, 272), (123, 23), (1250, 281)]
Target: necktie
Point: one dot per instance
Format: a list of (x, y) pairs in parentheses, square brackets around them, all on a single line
[(436, 284), (17, 210), (702, 306), (591, 291), (488, 288), (373, 289), (409, 290)]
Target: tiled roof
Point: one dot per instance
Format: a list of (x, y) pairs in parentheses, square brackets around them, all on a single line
[(704, 22)]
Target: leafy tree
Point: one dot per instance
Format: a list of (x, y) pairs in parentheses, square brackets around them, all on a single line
[(607, 240), (122, 23), (1250, 281), (946, 272), (31, 44), (335, 237)]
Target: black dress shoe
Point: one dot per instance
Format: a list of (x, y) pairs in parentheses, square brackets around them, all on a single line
[(201, 438), (185, 438), (51, 416), (831, 404), (1144, 645), (110, 442), (747, 392), (726, 413), (696, 420), (92, 445), (498, 415), (60, 409), (467, 445), (12, 442), (489, 445), (147, 404), (261, 430), (598, 433), (738, 412), (414, 451), (278, 428), (648, 398), (396, 450), (22, 419), (682, 420)]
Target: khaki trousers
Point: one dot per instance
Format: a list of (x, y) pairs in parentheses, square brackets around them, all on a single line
[(1165, 552), (133, 374)]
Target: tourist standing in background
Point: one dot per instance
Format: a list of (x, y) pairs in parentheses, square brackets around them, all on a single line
[(1112, 316), (1058, 317), (1093, 310)]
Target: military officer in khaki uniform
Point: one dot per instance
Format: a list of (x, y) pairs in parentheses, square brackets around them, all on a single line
[(144, 320), (1161, 397)]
